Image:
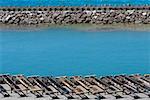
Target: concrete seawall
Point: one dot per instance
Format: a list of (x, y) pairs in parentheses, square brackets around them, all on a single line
[(75, 15)]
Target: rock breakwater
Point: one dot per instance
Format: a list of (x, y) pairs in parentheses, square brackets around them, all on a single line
[(69, 16), (120, 87)]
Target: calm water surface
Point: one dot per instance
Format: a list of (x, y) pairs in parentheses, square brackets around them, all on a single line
[(71, 2), (66, 51)]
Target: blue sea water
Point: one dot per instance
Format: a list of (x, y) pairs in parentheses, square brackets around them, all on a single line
[(71, 2), (66, 51)]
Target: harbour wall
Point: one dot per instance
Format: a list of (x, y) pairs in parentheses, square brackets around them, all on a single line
[(75, 15)]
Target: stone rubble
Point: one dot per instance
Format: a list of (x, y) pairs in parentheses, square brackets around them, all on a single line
[(75, 17)]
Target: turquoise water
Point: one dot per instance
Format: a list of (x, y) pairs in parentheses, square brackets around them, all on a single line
[(70, 2), (68, 51)]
